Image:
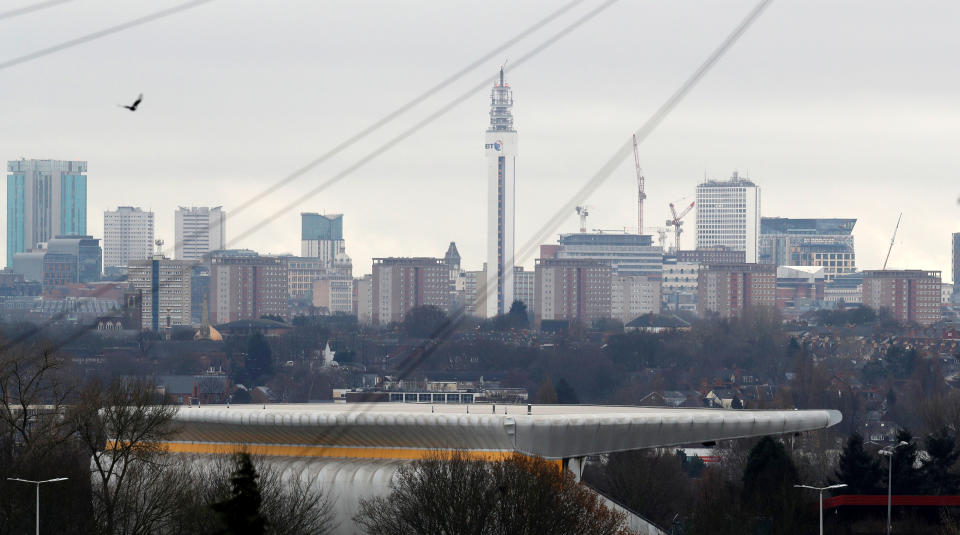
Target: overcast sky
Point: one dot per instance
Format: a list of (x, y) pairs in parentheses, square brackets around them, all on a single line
[(835, 109)]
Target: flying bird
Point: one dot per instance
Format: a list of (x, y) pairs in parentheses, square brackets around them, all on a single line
[(133, 107)]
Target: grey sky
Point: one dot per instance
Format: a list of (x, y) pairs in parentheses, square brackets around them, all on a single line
[(836, 109)]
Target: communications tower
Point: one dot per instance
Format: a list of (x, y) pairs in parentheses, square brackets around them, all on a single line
[(501, 151)]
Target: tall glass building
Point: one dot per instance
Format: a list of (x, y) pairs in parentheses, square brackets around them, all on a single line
[(45, 198)]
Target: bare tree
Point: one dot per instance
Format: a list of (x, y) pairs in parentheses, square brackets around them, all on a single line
[(32, 398), (35, 440), (456, 495), (122, 426)]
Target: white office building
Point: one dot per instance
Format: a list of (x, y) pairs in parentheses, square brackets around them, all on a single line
[(501, 151), (198, 231), (127, 235), (728, 214), (524, 288)]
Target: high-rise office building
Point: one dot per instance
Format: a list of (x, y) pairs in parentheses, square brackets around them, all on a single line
[(45, 198), (321, 236), (501, 151), (728, 213), (244, 286), (165, 289), (826, 243), (127, 235), (199, 230)]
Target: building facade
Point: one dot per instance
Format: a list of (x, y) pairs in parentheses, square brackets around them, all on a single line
[(301, 273), (827, 243), (45, 198), (910, 295), (501, 152), (800, 289), (333, 296), (844, 290), (525, 288), (678, 288), (729, 289), (627, 254), (574, 291), (321, 236), (475, 293), (728, 214), (400, 284), (165, 291), (246, 286), (127, 235), (632, 296), (363, 304), (956, 259), (199, 230), (717, 254)]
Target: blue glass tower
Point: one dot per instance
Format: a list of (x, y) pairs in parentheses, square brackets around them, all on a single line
[(45, 199)]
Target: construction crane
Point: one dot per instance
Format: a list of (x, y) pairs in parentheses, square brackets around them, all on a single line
[(677, 224), (661, 235), (641, 195), (891, 241), (583, 211)]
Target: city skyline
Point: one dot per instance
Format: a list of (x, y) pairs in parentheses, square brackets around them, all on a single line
[(804, 125)]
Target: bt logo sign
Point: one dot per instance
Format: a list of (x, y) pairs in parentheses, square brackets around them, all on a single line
[(496, 145)]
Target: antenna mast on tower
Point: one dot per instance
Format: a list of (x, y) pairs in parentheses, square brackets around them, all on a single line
[(641, 195)]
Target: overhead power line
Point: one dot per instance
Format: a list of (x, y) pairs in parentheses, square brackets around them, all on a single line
[(605, 171), (439, 112), (459, 74), (386, 119), (31, 8), (101, 33)]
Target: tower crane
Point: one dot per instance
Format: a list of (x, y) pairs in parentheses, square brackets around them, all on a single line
[(891, 241), (677, 224), (583, 211), (641, 195)]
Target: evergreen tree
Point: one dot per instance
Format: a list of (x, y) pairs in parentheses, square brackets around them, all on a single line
[(768, 485), (566, 395), (258, 363), (938, 478), (906, 478), (240, 514), (858, 469), (547, 394), (518, 315)]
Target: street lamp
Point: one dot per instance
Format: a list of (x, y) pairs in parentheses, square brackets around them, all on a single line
[(821, 489), (37, 483), (888, 452)]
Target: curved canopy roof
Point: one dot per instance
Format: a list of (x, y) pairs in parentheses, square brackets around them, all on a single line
[(407, 431)]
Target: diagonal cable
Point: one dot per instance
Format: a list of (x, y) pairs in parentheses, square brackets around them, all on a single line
[(101, 33), (31, 8), (622, 152), (419, 125), (539, 48), (406, 106)]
